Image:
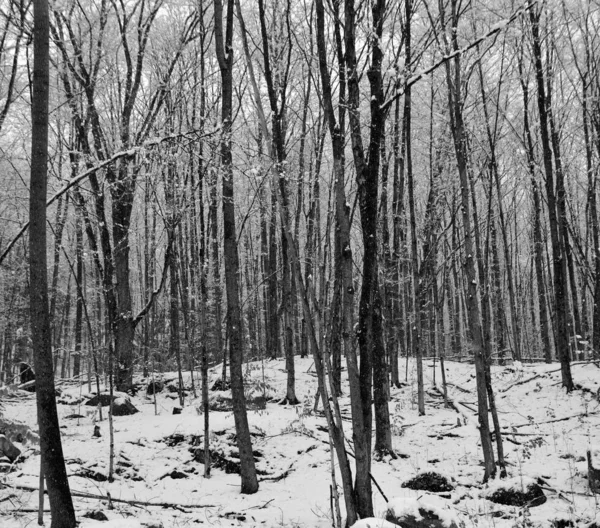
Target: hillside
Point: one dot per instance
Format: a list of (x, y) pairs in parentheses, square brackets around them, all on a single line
[(546, 432)]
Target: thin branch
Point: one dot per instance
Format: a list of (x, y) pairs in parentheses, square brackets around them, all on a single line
[(92, 170), (497, 28)]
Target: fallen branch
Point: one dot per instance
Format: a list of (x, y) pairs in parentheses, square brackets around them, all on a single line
[(547, 487), (522, 382), (564, 418), (132, 502), (454, 405), (278, 477), (457, 387)]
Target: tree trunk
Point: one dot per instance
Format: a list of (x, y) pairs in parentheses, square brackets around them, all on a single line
[(224, 53), (455, 103), (61, 504), (555, 198)]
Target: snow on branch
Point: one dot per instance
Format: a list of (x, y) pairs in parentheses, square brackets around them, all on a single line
[(495, 29), (150, 143)]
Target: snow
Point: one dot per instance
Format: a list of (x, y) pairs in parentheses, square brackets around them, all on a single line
[(549, 432), (519, 483), (373, 522), (401, 507)]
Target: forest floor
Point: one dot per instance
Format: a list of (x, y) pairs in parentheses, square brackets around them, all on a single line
[(547, 434)]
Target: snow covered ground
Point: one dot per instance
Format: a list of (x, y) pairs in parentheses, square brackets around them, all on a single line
[(547, 434)]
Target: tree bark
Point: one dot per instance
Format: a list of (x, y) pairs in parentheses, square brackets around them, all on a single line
[(224, 51), (61, 504), (455, 103), (555, 196)]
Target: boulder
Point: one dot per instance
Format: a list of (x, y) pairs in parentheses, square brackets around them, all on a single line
[(427, 511), (429, 481), (517, 491), (8, 449), (26, 372), (104, 398), (154, 387), (221, 385), (123, 407)]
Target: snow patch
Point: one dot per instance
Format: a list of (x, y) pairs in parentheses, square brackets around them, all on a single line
[(401, 507), (373, 522), (520, 483)]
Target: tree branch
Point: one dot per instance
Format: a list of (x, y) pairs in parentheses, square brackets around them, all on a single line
[(495, 30), (92, 170)]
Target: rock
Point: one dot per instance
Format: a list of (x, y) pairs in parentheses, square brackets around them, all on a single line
[(175, 475), (176, 410), (221, 385), (427, 511), (96, 515), (154, 387), (429, 481), (123, 407), (26, 372), (97, 433), (8, 449), (518, 491), (104, 398)]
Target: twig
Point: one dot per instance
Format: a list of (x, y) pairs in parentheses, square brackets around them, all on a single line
[(262, 507)]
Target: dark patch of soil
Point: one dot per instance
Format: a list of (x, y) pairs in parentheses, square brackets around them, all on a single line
[(429, 481), (175, 475), (221, 385), (174, 439), (428, 520), (96, 515), (220, 461), (562, 523), (91, 474), (532, 496)]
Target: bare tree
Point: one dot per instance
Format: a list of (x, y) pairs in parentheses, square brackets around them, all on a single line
[(224, 49), (53, 464)]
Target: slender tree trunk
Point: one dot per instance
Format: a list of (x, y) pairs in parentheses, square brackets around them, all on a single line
[(556, 219), (61, 504), (79, 267), (224, 52), (455, 103)]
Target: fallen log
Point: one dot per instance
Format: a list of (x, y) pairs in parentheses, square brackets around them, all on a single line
[(132, 502)]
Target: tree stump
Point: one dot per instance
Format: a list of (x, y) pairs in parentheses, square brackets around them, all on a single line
[(593, 459)]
